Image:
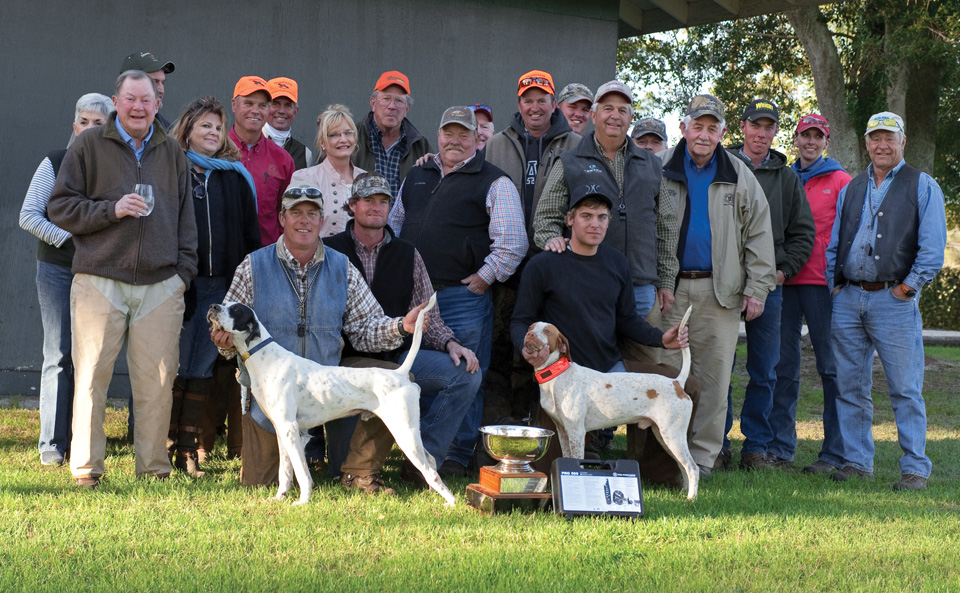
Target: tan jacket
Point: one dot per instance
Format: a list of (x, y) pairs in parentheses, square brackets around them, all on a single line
[(742, 239)]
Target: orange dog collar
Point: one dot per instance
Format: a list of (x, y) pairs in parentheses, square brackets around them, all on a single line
[(551, 372)]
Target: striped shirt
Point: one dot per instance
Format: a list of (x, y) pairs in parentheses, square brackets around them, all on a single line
[(508, 234), (33, 213), (364, 323)]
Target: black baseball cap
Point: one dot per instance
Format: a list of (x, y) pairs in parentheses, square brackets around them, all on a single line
[(145, 61)]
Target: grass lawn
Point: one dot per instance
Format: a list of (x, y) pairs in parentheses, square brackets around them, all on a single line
[(761, 531)]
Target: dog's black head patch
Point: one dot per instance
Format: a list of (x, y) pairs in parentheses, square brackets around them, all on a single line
[(244, 320)]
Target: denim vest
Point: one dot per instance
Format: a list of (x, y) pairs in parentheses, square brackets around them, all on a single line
[(310, 329)]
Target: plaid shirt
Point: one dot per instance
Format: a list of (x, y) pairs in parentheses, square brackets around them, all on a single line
[(549, 221), (364, 323), (508, 234), (436, 334), (388, 159)]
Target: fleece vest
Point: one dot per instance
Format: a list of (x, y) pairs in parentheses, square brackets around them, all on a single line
[(445, 217), (896, 246)]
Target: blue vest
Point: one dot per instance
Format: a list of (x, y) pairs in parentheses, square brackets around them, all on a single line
[(310, 329)]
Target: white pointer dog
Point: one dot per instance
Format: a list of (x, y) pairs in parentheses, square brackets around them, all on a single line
[(297, 393), (581, 399)]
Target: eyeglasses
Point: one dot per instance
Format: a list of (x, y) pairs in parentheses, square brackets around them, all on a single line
[(387, 100), (344, 134), (885, 121), (296, 192), (531, 80)]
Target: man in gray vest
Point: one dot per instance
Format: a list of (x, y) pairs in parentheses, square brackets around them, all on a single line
[(463, 215), (887, 244), (792, 224), (278, 282), (283, 112)]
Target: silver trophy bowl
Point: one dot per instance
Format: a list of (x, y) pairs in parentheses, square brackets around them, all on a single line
[(515, 447)]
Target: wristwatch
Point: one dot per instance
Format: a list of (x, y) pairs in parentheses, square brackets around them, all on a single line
[(910, 292), (402, 331)]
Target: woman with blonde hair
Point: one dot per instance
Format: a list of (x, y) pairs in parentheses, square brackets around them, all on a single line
[(336, 141), (224, 203)]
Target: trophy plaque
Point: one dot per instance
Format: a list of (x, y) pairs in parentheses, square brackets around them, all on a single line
[(512, 483)]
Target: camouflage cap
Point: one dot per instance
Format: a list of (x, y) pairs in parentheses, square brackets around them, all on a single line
[(574, 92), (705, 105), (650, 125), (370, 185)]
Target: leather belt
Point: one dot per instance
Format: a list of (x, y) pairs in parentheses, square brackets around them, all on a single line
[(874, 286), (695, 274), (437, 287)]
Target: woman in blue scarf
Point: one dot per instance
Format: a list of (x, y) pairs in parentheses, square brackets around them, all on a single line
[(224, 201)]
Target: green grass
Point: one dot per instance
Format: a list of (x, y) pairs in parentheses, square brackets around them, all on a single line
[(766, 531)]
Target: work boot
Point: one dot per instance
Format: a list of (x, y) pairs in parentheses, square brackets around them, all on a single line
[(754, 460), (911, 482), (192, 410), (371, 484), (848, 471)]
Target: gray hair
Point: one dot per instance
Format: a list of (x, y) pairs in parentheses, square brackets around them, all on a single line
[(93, 102), (687, 119), (137, 75)]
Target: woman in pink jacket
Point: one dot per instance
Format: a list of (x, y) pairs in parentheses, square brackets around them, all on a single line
[(805, 296)]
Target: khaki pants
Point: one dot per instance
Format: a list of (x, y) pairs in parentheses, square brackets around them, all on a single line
[(713, 343), (149, 318)]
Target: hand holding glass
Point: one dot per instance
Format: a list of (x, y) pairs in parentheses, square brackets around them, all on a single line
[(146, 192)]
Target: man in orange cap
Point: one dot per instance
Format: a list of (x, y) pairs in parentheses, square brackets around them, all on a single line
[(270, 165), (387, 142), (283, 111)]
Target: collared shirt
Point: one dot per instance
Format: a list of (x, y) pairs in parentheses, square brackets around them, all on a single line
[(363, 319), (746, 157), (931, 232), (133, 143), (436, 334), (271, 168), (508, 235), (388, 159), (698, 247), (551, 215)]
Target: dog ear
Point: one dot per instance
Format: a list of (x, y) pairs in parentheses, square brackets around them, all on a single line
[(245, 320), (564, 344)]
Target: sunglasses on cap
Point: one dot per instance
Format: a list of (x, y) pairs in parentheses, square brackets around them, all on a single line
[(296, 192), (809, 119), (885, 121), (531, 80), (477, 106)]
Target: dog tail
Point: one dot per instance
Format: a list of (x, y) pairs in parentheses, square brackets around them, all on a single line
[(685, 369), (404, 369)]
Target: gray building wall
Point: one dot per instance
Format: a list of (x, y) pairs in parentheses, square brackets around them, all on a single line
[(455, 52)]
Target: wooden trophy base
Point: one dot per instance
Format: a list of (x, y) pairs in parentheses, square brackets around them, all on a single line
[(500, 492)]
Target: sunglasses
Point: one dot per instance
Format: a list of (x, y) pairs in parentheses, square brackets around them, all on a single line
[(200, 191), (885, 121), (812, 120), (478, 107), (531, 80), (296, 192)]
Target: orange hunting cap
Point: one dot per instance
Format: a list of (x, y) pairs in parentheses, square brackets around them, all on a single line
[(249, 85), (535, 79), (282, 87), (393, 77)]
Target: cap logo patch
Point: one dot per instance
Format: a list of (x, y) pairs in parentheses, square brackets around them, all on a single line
[(761, 105)]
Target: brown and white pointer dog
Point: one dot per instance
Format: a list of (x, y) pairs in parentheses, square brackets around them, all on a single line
[(581, 399)]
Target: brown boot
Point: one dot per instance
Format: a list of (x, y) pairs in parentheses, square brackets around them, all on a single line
[(187, 462), (191, 416), (178, 386)]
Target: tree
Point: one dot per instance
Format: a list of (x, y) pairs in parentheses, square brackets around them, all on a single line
[(848, 60)]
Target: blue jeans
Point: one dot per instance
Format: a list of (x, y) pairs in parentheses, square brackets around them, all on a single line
[(446, 393), (763, 353), (810, 302), (470, 316), (56, 376), (645, 298), (198, 353), (867, 322)]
